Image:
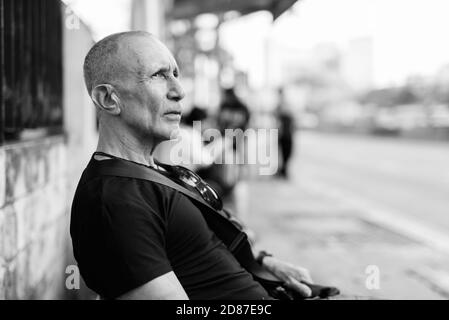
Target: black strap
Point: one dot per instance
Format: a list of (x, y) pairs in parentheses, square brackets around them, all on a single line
[(119, 168)]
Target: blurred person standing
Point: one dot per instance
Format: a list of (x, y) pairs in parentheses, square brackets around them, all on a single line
[(232, 115), (286, 127)]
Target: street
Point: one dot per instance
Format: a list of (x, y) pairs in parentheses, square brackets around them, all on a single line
[(404, 177), (357, 205)]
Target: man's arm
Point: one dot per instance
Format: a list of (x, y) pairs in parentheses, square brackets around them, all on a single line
[(165, 287)]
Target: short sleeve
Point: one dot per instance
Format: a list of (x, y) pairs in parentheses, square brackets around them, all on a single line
[(137, 233)]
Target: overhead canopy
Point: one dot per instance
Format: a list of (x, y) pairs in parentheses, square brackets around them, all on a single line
[(187, 9)]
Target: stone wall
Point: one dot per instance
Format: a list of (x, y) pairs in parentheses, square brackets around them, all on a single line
[(33, 219), (37, 182)]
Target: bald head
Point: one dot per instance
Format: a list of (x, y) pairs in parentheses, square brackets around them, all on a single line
[(133, 80), (105, 61)]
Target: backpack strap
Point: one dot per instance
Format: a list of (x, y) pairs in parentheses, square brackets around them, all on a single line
[(119, 168)]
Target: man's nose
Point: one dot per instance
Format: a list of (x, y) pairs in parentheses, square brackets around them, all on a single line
[(175, 91)]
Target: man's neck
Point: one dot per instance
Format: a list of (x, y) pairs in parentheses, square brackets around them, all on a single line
[(126, 147)]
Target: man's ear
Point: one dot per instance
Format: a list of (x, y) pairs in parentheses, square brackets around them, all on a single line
[(105, 98)]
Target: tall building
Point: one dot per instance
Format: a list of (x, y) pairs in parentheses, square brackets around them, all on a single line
[(357, 64)]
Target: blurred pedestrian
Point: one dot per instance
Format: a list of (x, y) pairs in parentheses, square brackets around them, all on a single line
[(286, 127), (232, 115)]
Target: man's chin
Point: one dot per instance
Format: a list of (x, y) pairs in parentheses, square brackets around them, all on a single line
[(170, 134), (174, 134)]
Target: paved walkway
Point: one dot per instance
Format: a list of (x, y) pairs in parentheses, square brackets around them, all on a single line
[(338, 245)]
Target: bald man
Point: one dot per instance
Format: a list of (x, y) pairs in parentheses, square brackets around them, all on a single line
[(132, 238)]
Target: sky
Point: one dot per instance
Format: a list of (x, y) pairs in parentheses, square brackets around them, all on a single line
[(409, 36), (103, 16)]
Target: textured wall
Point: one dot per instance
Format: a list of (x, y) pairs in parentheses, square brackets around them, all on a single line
[(37, 183), (33, 219)]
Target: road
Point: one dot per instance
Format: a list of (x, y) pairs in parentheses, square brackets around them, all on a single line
[(397, 177), (355, 203)]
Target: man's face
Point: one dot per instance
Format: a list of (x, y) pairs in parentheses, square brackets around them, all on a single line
[(149, 89)]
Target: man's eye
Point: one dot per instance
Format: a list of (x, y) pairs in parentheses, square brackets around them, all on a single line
[(158, 75)]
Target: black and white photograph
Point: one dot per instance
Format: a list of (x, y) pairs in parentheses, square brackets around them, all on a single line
[(241, 153)]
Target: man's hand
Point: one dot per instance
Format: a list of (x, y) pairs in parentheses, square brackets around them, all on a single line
[(290, 274)]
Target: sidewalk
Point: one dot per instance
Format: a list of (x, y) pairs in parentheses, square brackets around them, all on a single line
[(339, 246)]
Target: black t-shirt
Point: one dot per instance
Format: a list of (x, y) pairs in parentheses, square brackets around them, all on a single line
[(126, 232)]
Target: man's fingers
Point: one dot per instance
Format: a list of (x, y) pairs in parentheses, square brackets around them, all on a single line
[(302, 289), (302, 274), (306, 276)]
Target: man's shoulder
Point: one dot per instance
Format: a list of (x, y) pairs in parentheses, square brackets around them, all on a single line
[(98, 192), (114, 188), (123, 200)]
